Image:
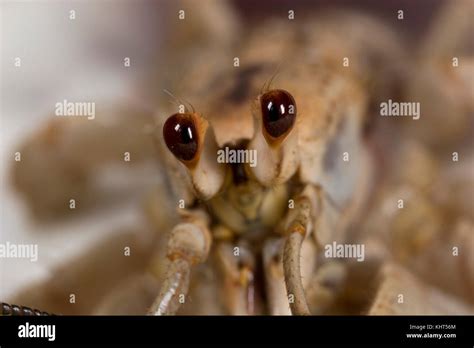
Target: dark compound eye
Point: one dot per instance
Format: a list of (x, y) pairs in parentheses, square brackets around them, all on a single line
[(181, 136), (278, 111)]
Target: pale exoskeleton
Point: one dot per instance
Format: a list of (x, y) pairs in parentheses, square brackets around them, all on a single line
[(294, 185), (304, 121), (249, 238), (333, 201)]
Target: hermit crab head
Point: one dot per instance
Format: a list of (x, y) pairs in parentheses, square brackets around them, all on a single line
[(196, 140)]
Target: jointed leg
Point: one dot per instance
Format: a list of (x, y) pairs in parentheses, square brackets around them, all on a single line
[(237, 267), (189, 244), (277, 298), (291, 259), (274, 278), (15, 310), (299, 224), (176, 284)]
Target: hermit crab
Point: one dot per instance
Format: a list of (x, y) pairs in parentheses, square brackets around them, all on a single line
[(269, 149)]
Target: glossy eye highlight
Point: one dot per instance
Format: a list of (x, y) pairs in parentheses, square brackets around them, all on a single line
[(278, 112), (181, 136)]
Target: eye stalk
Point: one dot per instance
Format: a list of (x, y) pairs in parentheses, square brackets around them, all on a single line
[(181, 136), (278, 113), (191, 139)]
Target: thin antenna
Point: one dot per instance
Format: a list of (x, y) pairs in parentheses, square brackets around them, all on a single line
[(268, 82), (191, 105), (177, 100)]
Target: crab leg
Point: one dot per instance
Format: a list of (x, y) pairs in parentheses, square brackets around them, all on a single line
[(188, 245), (15, 310), (298, 225), (291, 266), (297, 231), (238, 278), (274, 278)]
